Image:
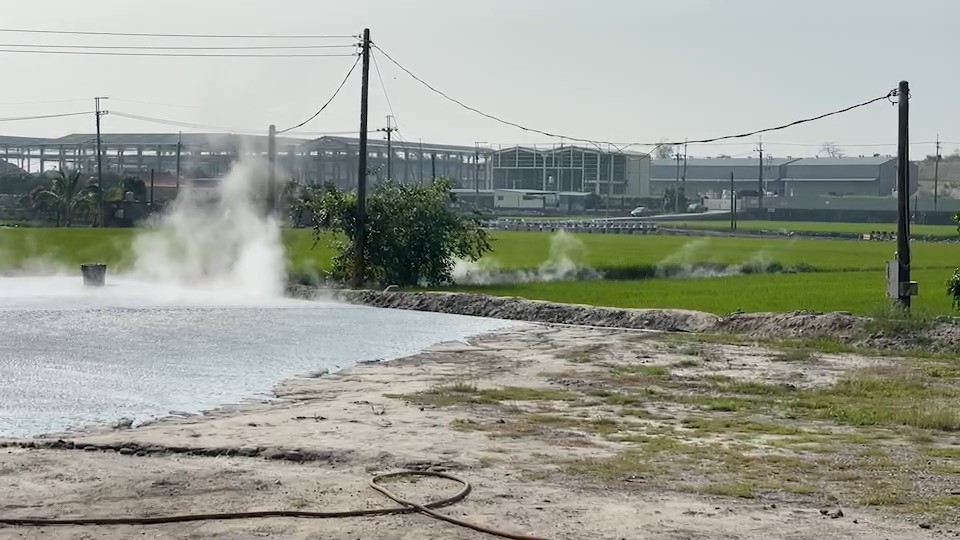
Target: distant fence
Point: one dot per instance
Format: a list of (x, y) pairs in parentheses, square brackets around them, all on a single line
[(577, 226)]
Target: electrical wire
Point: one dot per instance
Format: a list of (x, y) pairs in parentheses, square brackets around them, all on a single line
[(178, 55), (44, 101), (154, 103), (177, 123), (656, 145), (139, 34), (337, 91), (36, 117), (178, 48), (383, 86)]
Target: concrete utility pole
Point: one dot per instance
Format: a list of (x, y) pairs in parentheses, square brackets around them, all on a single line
[(272, 172), (904, 287), (936, 174), (100, 194), (733, 205), (676, 188), (360, 240), (476, 172), (179, 149), (420, 159), (760, 188), (433, 167), (389, 131)]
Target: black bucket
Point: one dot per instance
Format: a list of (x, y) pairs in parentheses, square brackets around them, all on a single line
[(94, 274)]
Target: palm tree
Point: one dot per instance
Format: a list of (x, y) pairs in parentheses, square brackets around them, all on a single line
[(66, 195)]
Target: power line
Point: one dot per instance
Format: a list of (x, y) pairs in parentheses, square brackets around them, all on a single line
[(154, 103), (383, 86), (597, 143), (179, 48), (140, 34), (178, 123), (36, 117), (337, 91), (178, 55), (43, 101)]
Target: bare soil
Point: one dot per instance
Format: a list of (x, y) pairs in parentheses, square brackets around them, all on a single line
[(564, 432)]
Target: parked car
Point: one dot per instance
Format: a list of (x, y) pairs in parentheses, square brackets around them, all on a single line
[(696, 208), (641, 211)]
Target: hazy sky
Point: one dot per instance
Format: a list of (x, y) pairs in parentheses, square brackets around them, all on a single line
[(620, 70)]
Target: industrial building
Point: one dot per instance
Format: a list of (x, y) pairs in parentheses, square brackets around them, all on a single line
[(570, 169), (791, 177), (203, 155)]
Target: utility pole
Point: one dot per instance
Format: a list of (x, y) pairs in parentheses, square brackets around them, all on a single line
[(676, 188), (760, 188), (151, 190), (476, 172), (433, 167), (899, 285), (683, 175), (420, 159), (733, 205), (389, 131), (179, 149), (936, 174), (359, 243), (272, 172), (100, 191)]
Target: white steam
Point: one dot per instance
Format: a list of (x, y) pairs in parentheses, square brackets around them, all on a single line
[(221, 240), (564, 263), (686, 263)]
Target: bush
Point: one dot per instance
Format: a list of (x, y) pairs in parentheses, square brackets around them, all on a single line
[(953, 289), (413, 235)]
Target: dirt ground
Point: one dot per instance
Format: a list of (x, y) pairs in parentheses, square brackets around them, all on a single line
[(564, 432)]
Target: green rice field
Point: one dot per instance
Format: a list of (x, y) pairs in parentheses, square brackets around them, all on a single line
[(843, 275), (944, 231)]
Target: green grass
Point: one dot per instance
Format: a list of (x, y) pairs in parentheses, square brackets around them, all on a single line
[(858, 292), (948, 231), (851, 274)]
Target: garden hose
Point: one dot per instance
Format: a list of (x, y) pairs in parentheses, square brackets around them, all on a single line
[(405, 507)]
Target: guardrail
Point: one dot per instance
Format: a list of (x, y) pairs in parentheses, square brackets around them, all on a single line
[(577, 226)]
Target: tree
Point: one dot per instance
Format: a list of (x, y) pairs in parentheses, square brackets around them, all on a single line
[(671, 202), (663, 151), (131, 184), (953, 284), (67, 195), (830, 149), (413, 236)]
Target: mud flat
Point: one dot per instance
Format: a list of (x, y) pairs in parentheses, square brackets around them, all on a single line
[(564, 432)]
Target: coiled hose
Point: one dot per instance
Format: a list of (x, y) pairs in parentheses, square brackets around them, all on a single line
[(404, 508)]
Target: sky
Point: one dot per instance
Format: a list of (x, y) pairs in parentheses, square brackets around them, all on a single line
[(611, 70)]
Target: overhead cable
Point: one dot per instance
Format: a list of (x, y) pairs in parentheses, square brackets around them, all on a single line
[(179, 55), (37, 117), (621, 147), (143, 34), (337, 91)]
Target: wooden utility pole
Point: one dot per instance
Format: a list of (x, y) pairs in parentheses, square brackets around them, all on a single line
[(936, 174), (360, 233), (100, 191), (903, 195)]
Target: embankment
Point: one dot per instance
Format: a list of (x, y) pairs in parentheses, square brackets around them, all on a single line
[(840, 326)]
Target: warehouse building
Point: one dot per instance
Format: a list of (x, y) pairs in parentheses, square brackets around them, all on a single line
[(791, 177), (566, 168)]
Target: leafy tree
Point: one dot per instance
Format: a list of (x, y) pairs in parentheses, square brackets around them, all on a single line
[(132, 184), (670, 202), (953, 284), (67, 195), (19, 182), (413, 236)]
